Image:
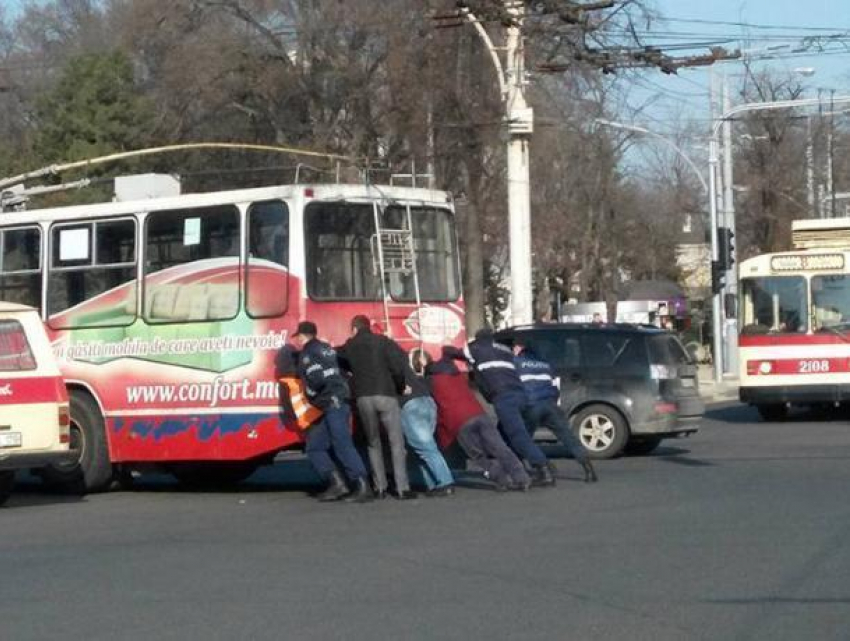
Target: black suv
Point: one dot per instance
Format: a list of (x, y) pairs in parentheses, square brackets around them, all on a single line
[(625, 387)]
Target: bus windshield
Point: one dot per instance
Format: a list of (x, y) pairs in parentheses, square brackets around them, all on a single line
[(775, 304), (831, 301), (340, 264)]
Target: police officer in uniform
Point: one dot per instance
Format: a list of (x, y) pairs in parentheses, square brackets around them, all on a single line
[(543, 410), (497, 378), (327, 389)]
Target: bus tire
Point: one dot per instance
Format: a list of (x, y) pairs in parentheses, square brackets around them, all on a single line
[(772, 413), (7, 482), (206, 475), (91, 471)]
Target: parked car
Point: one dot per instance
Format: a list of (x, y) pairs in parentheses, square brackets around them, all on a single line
[(34, 418), (625, 387)]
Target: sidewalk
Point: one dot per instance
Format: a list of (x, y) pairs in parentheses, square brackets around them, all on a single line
[(711, 392)]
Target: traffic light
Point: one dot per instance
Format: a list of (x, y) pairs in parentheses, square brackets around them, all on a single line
[(725, 249), (718, 277)]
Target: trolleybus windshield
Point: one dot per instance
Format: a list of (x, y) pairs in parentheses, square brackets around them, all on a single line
[(775, 304)]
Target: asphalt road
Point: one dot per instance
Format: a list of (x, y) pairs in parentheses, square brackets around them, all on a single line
[(740, 532)]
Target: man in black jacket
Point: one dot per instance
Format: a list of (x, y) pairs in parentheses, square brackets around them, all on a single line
[(327, 389), (370, 358)]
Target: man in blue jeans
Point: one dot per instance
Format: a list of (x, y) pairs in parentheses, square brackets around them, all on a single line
[(497, 378), (419, 422), (542, 409), (327, 389)]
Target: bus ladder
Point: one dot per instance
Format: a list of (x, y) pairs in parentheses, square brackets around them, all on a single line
[(393, 252)]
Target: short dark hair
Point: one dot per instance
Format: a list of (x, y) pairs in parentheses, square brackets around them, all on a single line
[(361, 322), (484, 333)]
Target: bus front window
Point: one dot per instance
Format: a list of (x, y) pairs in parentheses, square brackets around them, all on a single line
[(774, 305), (831, 302)]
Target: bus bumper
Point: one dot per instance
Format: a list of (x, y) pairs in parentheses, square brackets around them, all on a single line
[(795, 394)]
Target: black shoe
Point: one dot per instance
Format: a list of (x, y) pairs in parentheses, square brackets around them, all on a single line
[(589, 472), (445, 490), (543, 476), (407, 495), (362, 492), (380, 495), (336, 490)]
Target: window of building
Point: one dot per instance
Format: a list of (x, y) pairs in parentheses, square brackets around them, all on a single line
[(268, 251), (192, 265), (20, 266), (88, 260)]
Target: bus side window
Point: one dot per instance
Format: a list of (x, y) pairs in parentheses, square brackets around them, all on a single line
[(20, 266), (87, 260), (192, 265), (267, 276)]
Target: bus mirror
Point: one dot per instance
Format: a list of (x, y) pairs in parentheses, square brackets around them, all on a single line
[(730, 304)]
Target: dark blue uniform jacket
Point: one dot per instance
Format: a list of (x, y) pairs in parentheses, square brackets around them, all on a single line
[(536, 377), (493, 363), (319, 369)]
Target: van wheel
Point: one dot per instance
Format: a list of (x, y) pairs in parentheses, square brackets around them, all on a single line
[(91, 469), (643, 445), (602, 430), (7, 481), (209, 475), (772, 413)]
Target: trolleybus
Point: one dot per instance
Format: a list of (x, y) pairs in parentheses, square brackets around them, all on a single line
[(795, 321), (166, 313)]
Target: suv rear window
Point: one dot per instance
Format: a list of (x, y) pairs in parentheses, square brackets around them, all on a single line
[(622, 352), (15, 352), (667, 350)]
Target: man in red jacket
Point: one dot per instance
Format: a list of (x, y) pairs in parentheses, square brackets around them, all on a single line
[(461, 418)]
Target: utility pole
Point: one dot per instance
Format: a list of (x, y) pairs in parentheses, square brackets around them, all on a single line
[(716, 311), (731, 324), (810, 169), (519, 121)]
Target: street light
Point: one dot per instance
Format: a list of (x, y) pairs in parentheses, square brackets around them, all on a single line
[(664, 139)]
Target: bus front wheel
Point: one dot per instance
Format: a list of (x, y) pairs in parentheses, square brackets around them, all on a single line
[(90, 470)]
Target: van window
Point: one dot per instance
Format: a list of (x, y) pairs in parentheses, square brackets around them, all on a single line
[(268, 250), (89, 260), (20, 266), (622, 352), (202, 245), (15, 352)]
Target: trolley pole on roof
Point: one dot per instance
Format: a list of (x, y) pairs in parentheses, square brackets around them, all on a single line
[(519, 125)]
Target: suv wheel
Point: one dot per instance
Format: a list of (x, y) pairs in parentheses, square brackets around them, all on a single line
[(602, 430)]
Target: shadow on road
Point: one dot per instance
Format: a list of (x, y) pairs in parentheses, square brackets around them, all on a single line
[(30, 492)]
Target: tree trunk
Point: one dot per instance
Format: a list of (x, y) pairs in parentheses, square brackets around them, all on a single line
[(473, 263)]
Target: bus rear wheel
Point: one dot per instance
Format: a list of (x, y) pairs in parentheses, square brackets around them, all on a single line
[(90, 470), (212, 474)]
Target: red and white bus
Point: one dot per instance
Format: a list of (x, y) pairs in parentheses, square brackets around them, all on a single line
[(795, 321), (166, 314)]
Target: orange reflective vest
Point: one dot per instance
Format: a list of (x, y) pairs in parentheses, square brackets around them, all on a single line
[(305, 413)]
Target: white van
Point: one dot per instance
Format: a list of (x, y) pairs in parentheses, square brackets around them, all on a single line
[(34, 417)]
